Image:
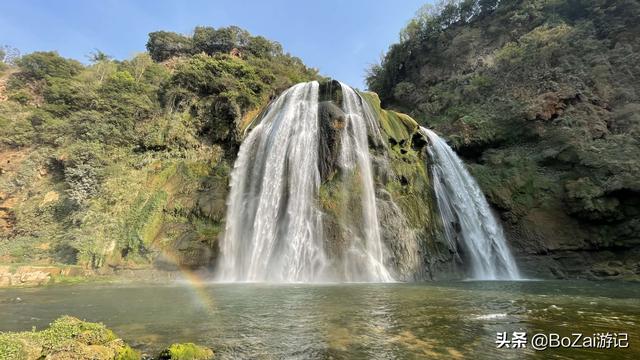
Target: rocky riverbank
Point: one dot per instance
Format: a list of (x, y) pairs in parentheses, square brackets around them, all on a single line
[(12, 275), (31, 276)]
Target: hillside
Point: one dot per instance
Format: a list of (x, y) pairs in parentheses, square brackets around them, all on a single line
[(542, 98), (112, 164)]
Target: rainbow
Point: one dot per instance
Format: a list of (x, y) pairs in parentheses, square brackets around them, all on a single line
[(195, 281)]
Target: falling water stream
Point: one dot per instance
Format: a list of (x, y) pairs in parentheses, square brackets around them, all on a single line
[(369, 251), (273, 230), (462, 203)]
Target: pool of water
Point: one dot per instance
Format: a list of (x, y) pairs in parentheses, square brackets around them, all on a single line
[(342, 321)]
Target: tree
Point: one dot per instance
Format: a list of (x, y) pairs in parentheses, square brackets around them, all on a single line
[(487, 6), (467, 9), (41, 64), (204, 39), (450, 14), (163, 45), (97, 56), (211, 41), (262, 47), (427, 19), (103, 65), (9, 54), (410, 31), (139, 64)]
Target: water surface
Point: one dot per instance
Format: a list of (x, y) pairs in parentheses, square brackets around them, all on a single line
[(354, 321)]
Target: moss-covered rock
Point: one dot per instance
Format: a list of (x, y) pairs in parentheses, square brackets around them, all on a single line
[(332, 121), (66, 338), (409, 225), (69, 338), (186, 351)]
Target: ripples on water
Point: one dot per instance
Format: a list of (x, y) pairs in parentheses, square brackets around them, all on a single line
[(354, 321)]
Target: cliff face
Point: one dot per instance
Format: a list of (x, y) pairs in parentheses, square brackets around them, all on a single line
[(541, 99)]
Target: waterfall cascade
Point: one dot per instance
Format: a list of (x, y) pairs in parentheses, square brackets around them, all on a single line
[(274, 227), (465, 212), (295, 162)]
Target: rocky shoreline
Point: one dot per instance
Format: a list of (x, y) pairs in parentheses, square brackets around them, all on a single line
[(27, 275), (33, 275)]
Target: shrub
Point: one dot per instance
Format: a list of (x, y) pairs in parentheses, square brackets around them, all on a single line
[(42, 64), (121, 95), (70, 94), (21, 96), (49, 129), (83, 183)]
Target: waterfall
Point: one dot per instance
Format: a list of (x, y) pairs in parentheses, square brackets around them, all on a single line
[(273, 230), (367, 252), (273, 224), (465, 211)]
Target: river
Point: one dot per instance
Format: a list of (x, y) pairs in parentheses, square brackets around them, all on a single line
[(350, 321)]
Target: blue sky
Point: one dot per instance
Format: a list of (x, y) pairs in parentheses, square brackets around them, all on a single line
[(341, 38)]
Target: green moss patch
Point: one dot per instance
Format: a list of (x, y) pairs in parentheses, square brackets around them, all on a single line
[(66, 338), (186, 351)]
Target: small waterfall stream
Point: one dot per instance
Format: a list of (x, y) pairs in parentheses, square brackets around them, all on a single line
[(461, 202), (367, 252)]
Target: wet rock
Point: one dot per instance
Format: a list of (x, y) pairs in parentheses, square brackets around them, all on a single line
[(332, 121), (605, 272)]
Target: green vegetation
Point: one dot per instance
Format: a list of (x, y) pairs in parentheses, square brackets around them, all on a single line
[(125, 163), (71, 338), (66, 338), (186, 351), (163, 45), (542, 99)]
